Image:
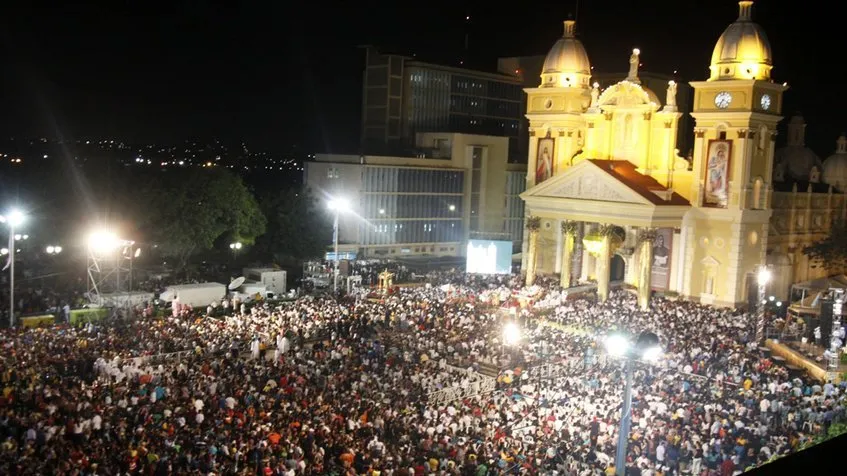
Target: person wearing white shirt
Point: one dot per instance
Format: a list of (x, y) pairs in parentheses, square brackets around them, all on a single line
[(660, 452)]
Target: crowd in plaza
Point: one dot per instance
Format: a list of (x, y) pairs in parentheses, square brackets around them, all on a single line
[(347, 387)]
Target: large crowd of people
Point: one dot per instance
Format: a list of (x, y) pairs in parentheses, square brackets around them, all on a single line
[(378, 385)]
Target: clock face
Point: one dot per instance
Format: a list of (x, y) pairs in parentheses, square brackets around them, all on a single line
[(722, 99), (766, 101)]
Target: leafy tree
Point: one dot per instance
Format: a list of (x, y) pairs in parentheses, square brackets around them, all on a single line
[(297, 227), (830, 252), (185, 213)]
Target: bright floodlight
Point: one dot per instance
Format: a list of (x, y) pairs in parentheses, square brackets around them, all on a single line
[(617, 345), (51, 249), (15, 217), (651, 353), (338, 204), (102, 241), (235, 246), (764, 276), (511, 334)]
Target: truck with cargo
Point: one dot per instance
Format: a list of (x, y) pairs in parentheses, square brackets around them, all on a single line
[(273, 279), (194, 295)]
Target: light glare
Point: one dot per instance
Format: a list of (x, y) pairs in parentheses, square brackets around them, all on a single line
[(511, 333), (764, 276), (102, 241), (617, 345), (651, 354), (15, 217), (338, 204)]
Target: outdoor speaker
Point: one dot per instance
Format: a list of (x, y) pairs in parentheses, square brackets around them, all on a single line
[(826, 320)]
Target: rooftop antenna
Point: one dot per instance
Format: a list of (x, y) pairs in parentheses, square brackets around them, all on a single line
[(576, 13)]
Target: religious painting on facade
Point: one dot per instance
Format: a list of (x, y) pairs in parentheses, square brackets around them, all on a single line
[(661, 269), (544, 159), (717, 173)]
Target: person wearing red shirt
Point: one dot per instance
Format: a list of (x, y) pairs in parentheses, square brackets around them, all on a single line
[(727, 467)]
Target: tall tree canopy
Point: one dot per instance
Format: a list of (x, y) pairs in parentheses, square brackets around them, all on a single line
[(297, 228), (830, 252), (185, 213)]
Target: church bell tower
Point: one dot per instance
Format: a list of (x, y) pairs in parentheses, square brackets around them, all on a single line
[(736, 113)]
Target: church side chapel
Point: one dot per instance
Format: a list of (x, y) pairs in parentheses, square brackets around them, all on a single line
[(609, 196)]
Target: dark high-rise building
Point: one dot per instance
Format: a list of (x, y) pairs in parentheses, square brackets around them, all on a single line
[(403, 96)]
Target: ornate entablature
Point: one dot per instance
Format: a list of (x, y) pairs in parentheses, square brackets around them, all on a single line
[(627, 94)]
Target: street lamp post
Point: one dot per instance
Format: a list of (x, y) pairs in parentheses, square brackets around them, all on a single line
[(646, 348), (763, 277), (337, 206), (14, 218)]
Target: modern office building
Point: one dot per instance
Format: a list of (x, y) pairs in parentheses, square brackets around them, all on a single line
[(528, 70), (459, 186), (402, 97)]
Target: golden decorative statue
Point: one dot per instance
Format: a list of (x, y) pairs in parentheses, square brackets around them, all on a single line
[(386, 280)]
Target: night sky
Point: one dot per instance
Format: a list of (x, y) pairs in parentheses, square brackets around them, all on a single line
[(277, 75)]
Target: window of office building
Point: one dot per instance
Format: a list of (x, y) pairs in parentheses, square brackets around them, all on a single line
[(411, 205), (476, 186)]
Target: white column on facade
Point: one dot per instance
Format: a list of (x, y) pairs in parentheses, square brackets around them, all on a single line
[(533, 151), (587, 265), (735, 272), (689, 240), (745, 154), (699, 171), (631, 271), (559, 243), (677, 262)]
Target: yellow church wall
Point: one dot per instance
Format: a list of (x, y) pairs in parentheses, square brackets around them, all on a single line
[(800, 218), (725, 253), (596, 136), (548, 241), (709, 266), (682, 180)]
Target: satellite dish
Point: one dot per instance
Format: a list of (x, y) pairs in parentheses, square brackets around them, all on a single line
[(236, 283)]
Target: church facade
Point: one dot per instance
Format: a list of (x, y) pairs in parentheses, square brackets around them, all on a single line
[(610, 198)]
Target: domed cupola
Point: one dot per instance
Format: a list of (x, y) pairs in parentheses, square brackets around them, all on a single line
[(566, 65), (743, 50), (795, 159), (835, 166)]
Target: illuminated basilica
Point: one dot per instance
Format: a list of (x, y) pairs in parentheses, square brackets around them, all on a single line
[(610, 199)]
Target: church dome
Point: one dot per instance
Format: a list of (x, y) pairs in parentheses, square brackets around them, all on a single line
[(566, 65), (795, 159), (743, 50), (835, 166)]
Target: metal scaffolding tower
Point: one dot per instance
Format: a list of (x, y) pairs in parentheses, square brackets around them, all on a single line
[(110, 272)]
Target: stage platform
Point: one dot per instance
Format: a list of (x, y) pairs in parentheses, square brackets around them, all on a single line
[(795, 358)]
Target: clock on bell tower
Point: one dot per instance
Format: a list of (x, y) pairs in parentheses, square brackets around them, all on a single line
[(736, 113)]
